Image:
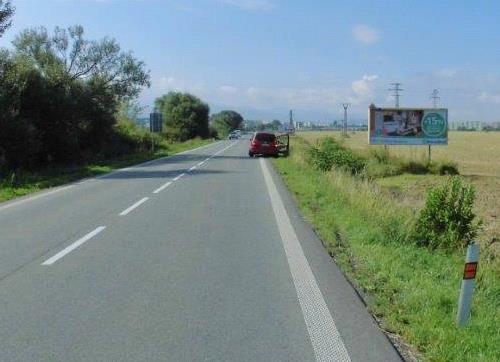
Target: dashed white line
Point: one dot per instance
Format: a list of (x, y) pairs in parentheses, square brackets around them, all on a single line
[(137, 204), (325, 338), (192, 168), (200, 163), (73, 246), (178, 177), (163, 187)]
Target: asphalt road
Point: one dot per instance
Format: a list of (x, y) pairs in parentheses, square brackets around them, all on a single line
[(201, 256)]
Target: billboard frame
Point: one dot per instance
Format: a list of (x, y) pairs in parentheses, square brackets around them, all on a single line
[(412, 121)]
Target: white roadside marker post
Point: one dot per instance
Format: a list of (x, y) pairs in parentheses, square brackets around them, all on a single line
[(468, 284)]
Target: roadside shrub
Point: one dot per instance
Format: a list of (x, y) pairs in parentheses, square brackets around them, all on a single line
[(414, 167), (329, 153), (447, 220), (447, 168)]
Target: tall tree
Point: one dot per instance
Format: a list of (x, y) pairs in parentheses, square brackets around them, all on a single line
[(226, 121), (68, 55), (6, 13), (185, 116)]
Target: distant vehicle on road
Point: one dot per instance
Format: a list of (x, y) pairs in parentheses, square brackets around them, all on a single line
[(263, 143), (233, 136)]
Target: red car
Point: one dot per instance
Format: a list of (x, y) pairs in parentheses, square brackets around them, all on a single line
[(263, 143)]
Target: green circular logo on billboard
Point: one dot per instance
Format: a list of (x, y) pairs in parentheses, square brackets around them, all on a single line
[(434, 125)]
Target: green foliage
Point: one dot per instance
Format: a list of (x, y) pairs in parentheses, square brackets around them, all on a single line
[(447, 168), (447, 220), (67, 56), (225, 122), (275, 125), (6, 13), (329, 153), (184, 115), (412, 290), (59, 95)]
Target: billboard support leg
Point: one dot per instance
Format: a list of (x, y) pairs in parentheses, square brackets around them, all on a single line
[(429, 160)]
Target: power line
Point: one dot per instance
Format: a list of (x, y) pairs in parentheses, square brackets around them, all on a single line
[(395, 88), (435, 97)]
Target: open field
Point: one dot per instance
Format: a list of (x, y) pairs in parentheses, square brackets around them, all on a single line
[(477, 155), (411, 290)]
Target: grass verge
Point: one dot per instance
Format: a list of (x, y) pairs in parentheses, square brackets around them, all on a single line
[(24, 183), (411, 290)]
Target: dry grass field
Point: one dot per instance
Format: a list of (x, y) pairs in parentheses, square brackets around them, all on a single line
[(477, 155)]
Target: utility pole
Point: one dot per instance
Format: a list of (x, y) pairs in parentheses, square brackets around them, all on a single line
[(344, 128), (396, 88), (435, 97)]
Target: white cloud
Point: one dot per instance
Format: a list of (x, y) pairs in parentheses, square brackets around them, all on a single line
[(363, 88), (489, 98), (170, 83), (255, 5), (365, 34)]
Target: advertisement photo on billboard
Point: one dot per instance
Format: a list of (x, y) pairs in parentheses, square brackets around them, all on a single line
[(408, 126)]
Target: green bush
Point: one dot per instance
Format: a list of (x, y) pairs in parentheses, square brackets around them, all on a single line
[(329, 153), (447, 168), (447, 220)]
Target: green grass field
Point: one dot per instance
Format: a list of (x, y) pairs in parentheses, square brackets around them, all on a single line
[(411, 290), (20, 184), (477, 155)]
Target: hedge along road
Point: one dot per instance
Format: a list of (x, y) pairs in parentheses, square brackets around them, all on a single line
[(200, 256)]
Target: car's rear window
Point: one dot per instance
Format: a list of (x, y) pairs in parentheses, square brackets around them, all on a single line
[(265, 137)]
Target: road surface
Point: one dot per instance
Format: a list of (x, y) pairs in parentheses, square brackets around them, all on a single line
[(201, 256)]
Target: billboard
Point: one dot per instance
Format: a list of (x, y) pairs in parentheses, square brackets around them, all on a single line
[(408, 126)]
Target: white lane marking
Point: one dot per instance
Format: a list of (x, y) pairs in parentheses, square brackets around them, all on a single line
[(153, 161), (178, 177), (43, 194), (200, 163), (163, 187), (137, 204), (35, 197), (192, 168), (325, 338), (198, 148), (73, 246), (225, 148)]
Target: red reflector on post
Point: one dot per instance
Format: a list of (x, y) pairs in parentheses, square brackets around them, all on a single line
[(470, 270)]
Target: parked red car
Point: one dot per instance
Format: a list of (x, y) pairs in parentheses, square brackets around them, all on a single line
[(263, 143)]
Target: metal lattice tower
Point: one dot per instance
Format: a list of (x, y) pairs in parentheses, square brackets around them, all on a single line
[(435, 97), (396, 89), (344, 128)]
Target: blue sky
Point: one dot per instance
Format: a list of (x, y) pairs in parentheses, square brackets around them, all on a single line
[(263, 57)]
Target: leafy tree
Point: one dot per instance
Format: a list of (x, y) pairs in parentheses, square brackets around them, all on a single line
[(185, 116), (69, 56), (55, 112), (275, 125), (225, 122), (260, 126), (6, 13)]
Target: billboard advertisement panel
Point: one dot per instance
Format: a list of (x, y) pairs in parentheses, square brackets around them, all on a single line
[(408, 126)]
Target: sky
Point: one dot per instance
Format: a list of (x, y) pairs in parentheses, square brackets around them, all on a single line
[(264, 57)]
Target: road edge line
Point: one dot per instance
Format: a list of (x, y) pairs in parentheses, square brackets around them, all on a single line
[(325, 338)]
